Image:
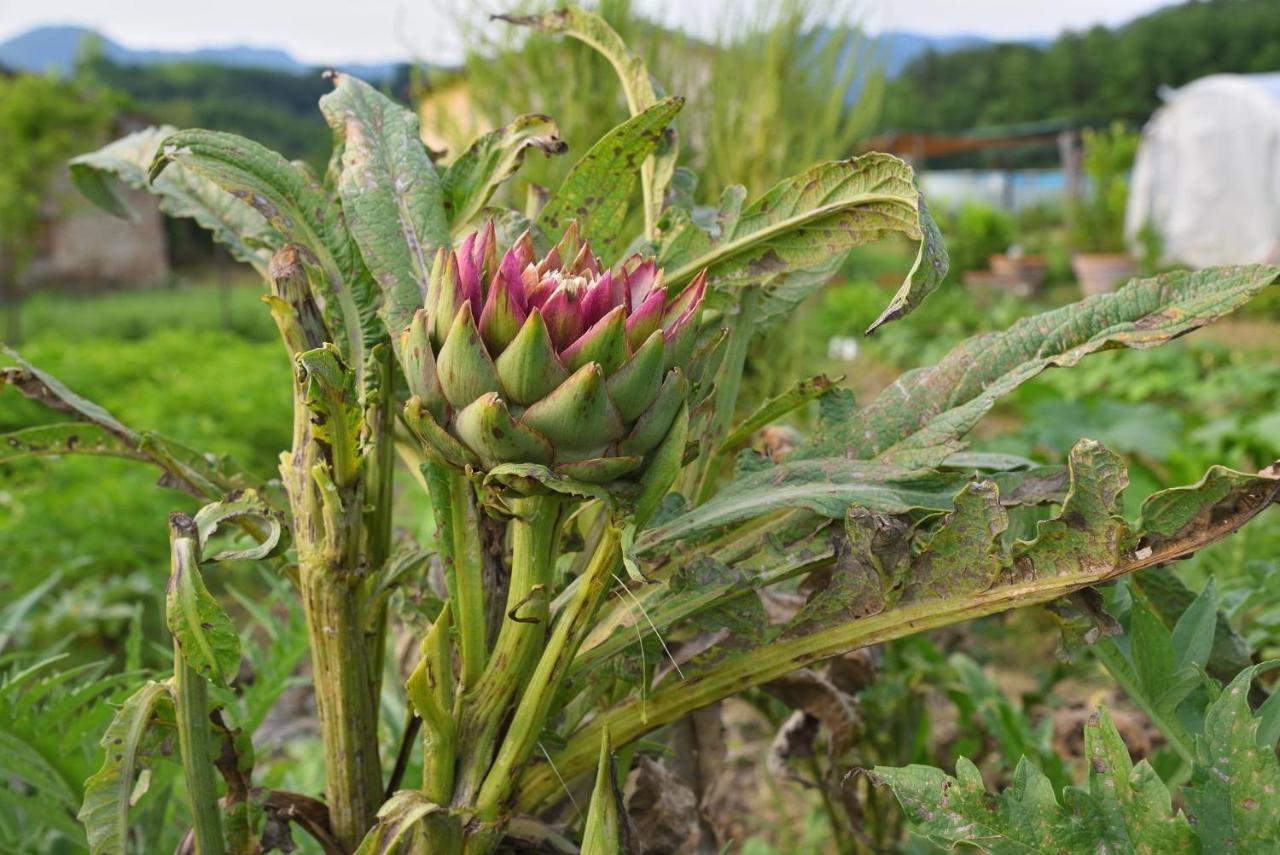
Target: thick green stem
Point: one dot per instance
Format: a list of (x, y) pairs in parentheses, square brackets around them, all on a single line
[(191, 709), (534, 529), (458, 538), (531, 713), (348, 717), (468, 565)]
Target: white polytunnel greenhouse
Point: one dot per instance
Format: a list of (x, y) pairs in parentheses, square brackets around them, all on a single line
[(1207, 173)]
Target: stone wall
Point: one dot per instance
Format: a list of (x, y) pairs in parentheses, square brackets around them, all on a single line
[(84, 248)]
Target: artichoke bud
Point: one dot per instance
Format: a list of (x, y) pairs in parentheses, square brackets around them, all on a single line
[(553, 361)]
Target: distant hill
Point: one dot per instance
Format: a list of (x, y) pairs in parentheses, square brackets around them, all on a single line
[(899, 49), (55, 49)]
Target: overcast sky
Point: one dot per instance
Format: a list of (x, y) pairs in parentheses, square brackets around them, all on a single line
[(323, 31)]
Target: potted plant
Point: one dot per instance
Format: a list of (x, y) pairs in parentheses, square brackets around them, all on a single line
[(1101, 258), (1021, 271)]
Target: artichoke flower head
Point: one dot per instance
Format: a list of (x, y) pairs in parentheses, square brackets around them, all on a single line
[(552, 361)]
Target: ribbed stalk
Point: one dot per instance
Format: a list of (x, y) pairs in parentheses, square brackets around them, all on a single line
[(348, 717), (458, 539), (759, 665), (534, 706), (191, 709), (534, 529)]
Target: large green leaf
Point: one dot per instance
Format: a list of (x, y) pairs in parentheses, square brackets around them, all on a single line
[(391, 194), (830, 485), (1125, 808), (1233, 798), (206, 637), (597, 191), (182, 193), (110, 791), (922, 418), (955, 571), (303, 215), (803, 226), (470, 180)]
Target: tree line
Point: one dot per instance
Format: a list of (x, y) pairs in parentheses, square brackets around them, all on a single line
[(1089, 76)]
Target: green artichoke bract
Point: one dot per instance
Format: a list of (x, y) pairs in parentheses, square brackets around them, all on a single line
[(551, 361)]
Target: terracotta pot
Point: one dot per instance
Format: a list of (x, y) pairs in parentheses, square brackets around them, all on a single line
[(1099, 274), (1024, 273)]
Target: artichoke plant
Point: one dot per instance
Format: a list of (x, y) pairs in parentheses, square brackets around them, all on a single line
[(554, 360), (531, 373)]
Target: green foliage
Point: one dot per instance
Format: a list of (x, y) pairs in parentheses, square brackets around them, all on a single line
[(975, 232), (1123, 807), (881, 525), (42, 123), (49, 722), (1094, 75), (155, 360), (769, 92), (1097, 222)]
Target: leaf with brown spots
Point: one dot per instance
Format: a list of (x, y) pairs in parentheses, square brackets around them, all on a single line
[(97, 431), (493, 158), (922, 418), (391, 195), (1234, 795), (658, 168), (110, 791), (793, 236), (597, 191), (1123, 808)]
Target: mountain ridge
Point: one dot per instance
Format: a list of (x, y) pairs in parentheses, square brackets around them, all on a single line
[(55, 47)]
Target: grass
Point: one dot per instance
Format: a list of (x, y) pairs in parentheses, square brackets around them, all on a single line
[(200, 364)]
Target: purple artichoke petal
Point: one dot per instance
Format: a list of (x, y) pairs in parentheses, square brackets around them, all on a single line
[(521, 254), (503, 312), (585, 262), (645, 319), (643, 278), (601, 297), (529, 368), (466, 372), (563, 313), (605, 343), (680, 322), (686, 304)]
